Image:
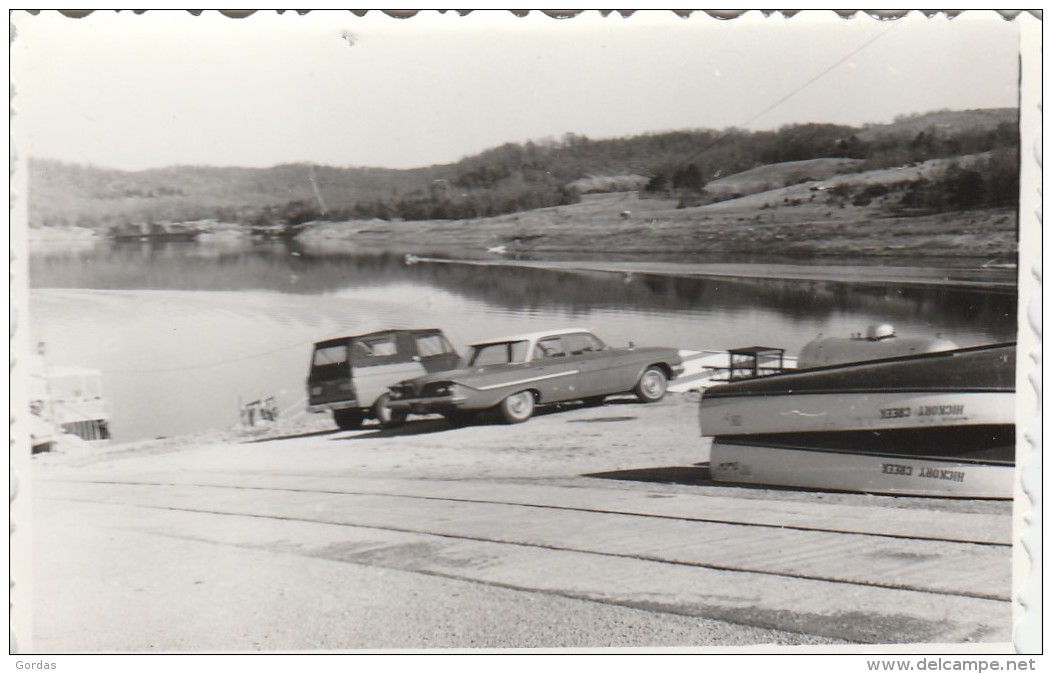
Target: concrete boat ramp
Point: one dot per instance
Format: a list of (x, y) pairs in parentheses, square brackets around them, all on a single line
[(585, 527)]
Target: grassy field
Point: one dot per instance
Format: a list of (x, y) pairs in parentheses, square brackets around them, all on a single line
[(804, 220)]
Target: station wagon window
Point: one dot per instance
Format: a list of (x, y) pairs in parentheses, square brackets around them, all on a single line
[(498, 354), (432, 345), (582, 342), (375, 347), (330, 355), (549, 347)]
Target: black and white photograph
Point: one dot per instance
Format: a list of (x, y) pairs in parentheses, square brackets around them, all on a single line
[(533, 332)]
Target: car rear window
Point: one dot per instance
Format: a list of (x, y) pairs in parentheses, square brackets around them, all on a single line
[(499, 354), (374, 347), (330, 355)]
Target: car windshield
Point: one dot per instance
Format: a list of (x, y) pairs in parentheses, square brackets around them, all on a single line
[(500, 353)]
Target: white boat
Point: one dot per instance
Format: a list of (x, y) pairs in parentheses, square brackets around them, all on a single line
[(750, 462), (933, 424), (854, 410), (962, 387)]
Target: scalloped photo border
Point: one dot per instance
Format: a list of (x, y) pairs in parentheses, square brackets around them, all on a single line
[(1027, 515)]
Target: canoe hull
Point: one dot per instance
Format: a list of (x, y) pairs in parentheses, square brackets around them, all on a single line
[(934, 424), (851, 411), (964, 387), (748, 462)]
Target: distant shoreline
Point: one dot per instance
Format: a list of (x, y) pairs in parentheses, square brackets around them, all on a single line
[(461, 245), (993, 279)]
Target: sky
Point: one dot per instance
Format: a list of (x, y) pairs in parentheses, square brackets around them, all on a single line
[(164, 88)]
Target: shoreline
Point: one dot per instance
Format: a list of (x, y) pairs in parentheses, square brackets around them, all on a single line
[(927, 271), (1001, 280)]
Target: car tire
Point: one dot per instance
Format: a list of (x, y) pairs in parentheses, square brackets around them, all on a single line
[(517, 408), (652, 385), (348, 420), (388, 418)]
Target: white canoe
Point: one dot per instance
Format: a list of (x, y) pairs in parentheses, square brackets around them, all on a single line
[(830, 412), (749, 463), (963, 387)]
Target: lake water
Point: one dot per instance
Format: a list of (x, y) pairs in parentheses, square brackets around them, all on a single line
[(184, 333)]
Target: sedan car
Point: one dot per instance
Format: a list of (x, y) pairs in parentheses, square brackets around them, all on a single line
[(513, 375)]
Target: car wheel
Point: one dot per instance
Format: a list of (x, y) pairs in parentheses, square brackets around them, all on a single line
[(652, 385), (388, 418), (517, 408), (348, 420), (459, 419)]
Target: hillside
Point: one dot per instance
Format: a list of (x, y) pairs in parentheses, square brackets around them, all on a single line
[(772, 176), (694, 167), (833, 220), (944, 122)]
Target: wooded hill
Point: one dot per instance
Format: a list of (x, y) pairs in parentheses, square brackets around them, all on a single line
[(691, 166)]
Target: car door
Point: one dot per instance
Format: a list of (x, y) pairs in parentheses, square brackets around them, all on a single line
[(553, 372), (601, 370)]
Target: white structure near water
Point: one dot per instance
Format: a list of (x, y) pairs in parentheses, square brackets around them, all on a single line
[(67, 400)]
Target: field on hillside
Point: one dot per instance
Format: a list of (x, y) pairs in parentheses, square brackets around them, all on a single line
[(773, 176), (800, 221)]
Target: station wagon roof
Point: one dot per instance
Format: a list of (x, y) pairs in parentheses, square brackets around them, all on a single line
[(377, 333), (530, 336)]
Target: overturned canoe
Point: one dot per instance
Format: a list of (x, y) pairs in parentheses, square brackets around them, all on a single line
[(933, 424), (963, 387)]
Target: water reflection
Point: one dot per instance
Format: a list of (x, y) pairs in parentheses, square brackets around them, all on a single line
[(287, 267)]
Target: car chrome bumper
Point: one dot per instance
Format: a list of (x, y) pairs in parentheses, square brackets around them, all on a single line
[(426, 405), (335, 405)]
